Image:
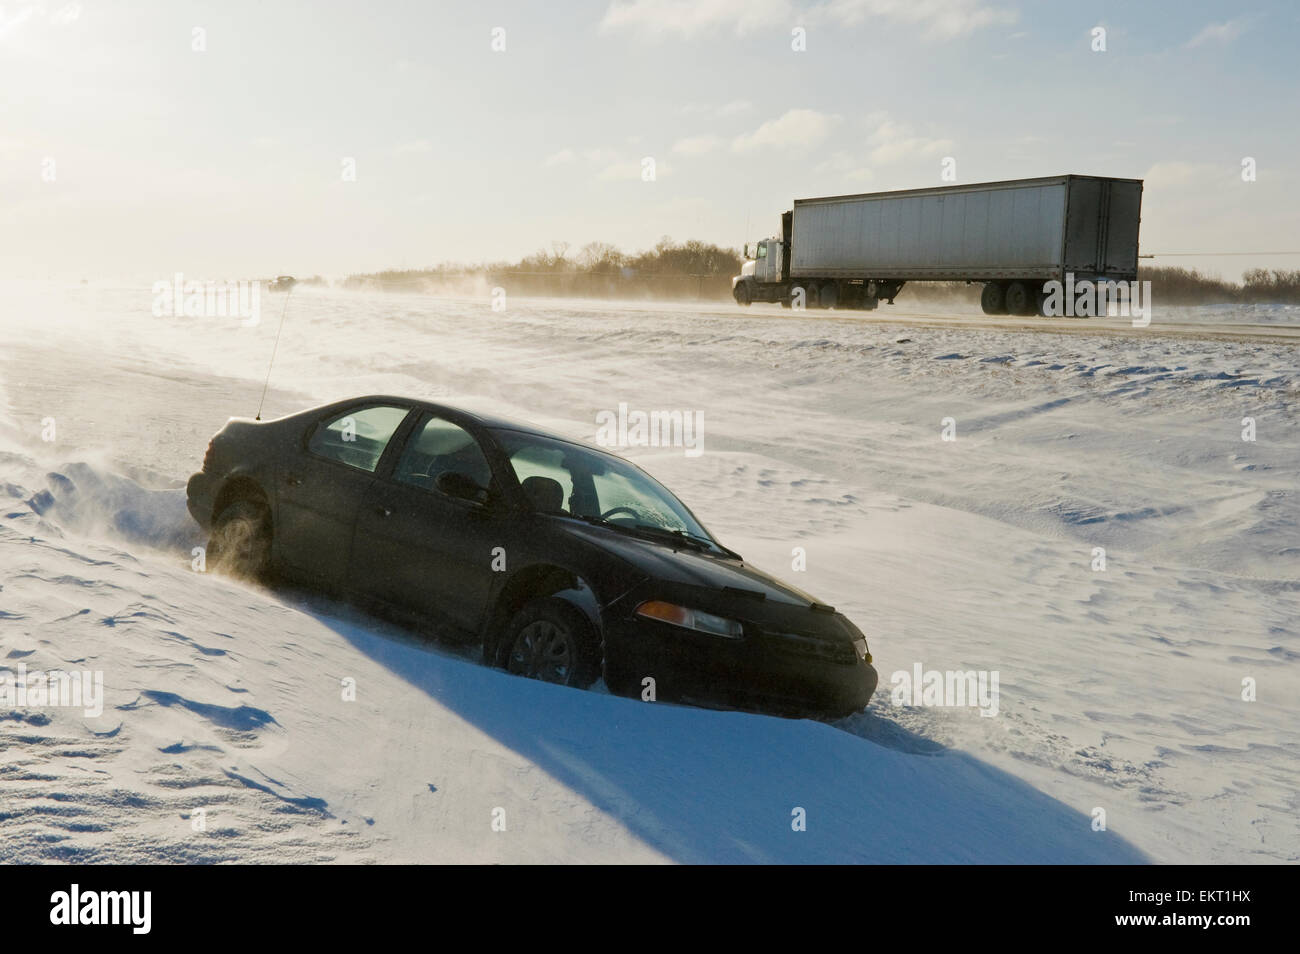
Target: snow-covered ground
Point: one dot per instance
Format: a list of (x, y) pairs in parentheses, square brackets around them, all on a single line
[(1121, 689)]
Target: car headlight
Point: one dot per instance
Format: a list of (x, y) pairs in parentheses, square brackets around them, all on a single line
[(690, 619), (859, 640)]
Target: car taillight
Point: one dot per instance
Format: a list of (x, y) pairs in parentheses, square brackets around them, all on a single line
[(207, 457)]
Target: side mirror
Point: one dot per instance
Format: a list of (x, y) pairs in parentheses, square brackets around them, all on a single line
[(460, 486), (746, 250)]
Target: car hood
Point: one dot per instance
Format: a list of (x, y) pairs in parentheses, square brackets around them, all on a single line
[(685, 565)]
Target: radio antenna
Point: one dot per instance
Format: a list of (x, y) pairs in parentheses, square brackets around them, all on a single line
[(275, 347)]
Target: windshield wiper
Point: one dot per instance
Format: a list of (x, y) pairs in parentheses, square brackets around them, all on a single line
[(648, 529), (682, 536), (712, 544)]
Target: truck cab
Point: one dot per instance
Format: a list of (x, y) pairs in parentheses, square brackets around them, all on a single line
[(765, 266), (761, 277)]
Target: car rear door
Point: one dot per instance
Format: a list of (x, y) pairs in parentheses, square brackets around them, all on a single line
[(321, 490), (422, 551)]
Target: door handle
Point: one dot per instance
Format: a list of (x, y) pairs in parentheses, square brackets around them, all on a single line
[(384, 511), (293, 480)]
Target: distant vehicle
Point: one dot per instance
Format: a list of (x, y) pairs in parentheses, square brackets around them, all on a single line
[(851, 251), (564, 561), (282, 283)]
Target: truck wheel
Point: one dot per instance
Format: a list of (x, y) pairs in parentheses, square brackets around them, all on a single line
[(1040, 303), (993, 299), (829, 296), (1020, 300), (743, 296)]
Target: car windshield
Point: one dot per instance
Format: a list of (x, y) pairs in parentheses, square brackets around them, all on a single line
[(560, 477)]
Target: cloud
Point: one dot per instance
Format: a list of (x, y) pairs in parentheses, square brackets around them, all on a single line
[(845, 165), (414, 148), (1177, 174), (615, 161), (690, 17), (733, 108), (895, 142), (697, 145), (798, 128), (631, 169), (1218, 33), (11, 24), (938, 19)]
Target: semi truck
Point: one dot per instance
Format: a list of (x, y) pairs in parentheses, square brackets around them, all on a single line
[(853, 251)]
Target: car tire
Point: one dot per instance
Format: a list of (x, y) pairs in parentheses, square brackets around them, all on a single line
[(553, 641), (240, 542)]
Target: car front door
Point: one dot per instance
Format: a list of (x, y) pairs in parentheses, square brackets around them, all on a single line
[(321, 490), (423, 550)]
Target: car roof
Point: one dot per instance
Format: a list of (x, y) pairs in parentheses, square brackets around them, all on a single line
[(485, 420)]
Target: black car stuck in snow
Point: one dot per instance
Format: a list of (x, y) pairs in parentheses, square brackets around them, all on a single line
[(566, 562)]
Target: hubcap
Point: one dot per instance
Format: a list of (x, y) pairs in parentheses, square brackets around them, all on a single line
[(542, 651)]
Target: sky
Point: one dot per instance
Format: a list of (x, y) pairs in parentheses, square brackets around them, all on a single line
[(246, 139)]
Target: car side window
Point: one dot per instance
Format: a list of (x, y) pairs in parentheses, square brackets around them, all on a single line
[(439, 447), (358, 437), (535, 461)]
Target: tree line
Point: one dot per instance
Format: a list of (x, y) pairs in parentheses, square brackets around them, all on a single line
[(701, 270), (690, 269)]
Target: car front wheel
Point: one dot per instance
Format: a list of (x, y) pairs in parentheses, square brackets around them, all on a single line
[(552, 641)]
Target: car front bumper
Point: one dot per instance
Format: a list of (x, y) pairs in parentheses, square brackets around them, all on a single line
[(765, 671)]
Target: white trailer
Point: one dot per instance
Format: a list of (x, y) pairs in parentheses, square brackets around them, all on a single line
[(1013, 236)]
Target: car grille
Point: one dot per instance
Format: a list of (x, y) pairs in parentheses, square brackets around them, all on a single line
[(811, 647)]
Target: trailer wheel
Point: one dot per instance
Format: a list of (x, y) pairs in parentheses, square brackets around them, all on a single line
[(1020, 300), (828, 296), (993, 299), (743, 296), (1040, 303)]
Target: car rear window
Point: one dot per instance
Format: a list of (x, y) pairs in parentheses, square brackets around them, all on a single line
[(358, 437)]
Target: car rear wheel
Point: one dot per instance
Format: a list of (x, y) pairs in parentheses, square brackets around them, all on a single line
[(240, 543), (552, 641)]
